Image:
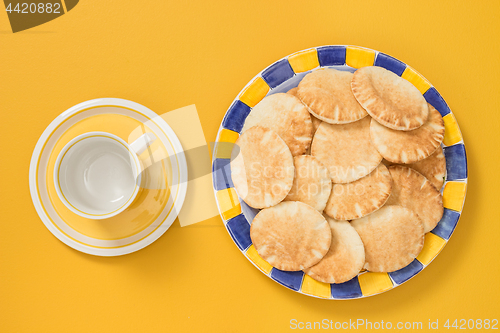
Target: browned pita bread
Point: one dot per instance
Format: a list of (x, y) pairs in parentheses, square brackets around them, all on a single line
[(312, 184), (261, 167), (387, 163), (433, 168), (393, 236), (409, 146), (293, 91), (315, 121), (344, 259), (328, 95), (389, 99), (412, 190), (291, 236), (346, 150), (361, 197), (287, 116)]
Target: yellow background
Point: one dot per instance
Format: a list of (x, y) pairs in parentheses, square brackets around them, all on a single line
[(165, 55)]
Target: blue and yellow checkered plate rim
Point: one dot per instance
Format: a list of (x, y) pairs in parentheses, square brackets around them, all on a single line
[(285, 74)]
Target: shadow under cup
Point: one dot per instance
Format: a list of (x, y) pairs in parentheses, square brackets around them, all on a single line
[(97, 176)]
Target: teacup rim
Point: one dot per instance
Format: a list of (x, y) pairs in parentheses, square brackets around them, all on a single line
[(59, 191)]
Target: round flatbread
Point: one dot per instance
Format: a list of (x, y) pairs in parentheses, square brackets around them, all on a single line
[(393, 236), (344, 259), (328, 95), (261, 167), (361, 197), (286, 115), (315, 121), (433, 168), (412, 190), (387, 163), (346, 150), (291, 236), (293, 91), (391, 100), (312, 184), (409, 146)]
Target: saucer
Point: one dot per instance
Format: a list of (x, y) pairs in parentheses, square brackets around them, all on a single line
[(162, 188)]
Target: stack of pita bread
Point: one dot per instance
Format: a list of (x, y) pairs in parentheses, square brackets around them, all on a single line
[(347, 170)]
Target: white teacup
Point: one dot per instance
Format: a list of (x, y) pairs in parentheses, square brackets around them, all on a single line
[(97, 174)]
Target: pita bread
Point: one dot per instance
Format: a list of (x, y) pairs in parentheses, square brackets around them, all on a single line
[(409, 146), (287, 116), (312, 184), (261, 167), (391, 100), (291, 236), (328, 95), (344, 259), (387, 163), (433, 168), (393, 236), (346, 150), (412, 190), (315, 121), (293, 92), (361, 197)]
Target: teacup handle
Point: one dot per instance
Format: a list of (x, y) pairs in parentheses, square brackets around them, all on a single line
[(142, 143)]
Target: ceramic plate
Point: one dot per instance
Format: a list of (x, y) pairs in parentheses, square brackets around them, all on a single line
[(285, 74), (163, 182)]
